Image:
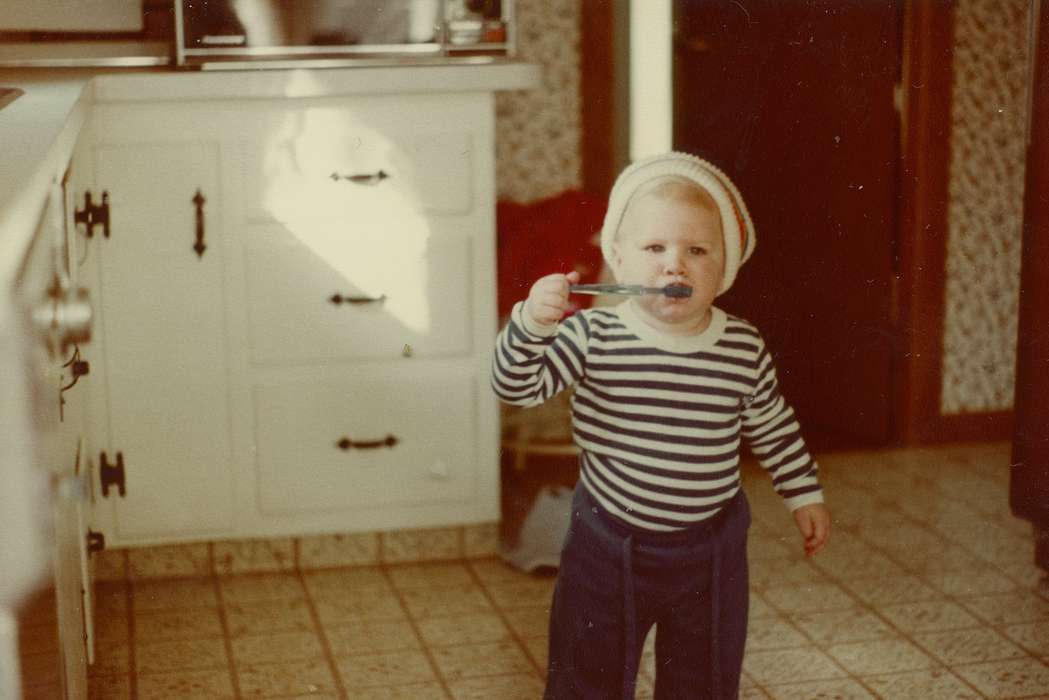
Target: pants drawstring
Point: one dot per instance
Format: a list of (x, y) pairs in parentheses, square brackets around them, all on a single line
[(629, 620)]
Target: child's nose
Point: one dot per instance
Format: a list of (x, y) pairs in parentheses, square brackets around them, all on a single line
[(674, 262)]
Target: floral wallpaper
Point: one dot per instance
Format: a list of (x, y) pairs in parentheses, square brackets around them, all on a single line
[(988, 127), (538, 131)]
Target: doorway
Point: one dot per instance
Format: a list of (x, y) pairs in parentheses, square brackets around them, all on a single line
[(796, 101)]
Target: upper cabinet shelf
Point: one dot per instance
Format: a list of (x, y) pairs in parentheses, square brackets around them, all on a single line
[(225, 35)]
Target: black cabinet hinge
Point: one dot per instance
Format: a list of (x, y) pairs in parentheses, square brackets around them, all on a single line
[(96, 541), (112, 474), (93, 214)]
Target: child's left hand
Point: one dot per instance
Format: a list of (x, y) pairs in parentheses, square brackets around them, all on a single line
[(813, 522)]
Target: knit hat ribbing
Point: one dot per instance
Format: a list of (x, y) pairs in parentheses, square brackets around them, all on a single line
[(736, 224)]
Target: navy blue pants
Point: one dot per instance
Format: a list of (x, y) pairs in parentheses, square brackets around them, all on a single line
[(615, 583)]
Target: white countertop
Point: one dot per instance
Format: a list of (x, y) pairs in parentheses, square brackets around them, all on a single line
[(39, 130)]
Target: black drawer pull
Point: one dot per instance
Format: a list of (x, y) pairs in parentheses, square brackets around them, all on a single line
[(348, 444), (362, 179), (339, 299)]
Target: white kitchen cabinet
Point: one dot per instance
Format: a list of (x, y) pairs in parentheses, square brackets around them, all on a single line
[(347, 291), (163, 326), (47, 291)]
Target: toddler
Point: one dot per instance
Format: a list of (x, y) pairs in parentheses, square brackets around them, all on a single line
[(665, 389)]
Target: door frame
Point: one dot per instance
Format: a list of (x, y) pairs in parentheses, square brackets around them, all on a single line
[(918, 303)]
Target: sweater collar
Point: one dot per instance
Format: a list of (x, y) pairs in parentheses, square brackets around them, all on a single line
[(634, 323)]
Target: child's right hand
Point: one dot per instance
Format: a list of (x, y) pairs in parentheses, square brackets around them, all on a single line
[(548, 299)]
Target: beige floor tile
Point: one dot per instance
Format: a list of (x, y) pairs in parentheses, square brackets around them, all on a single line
[(496, 571), (336, 583), (167, 625), (432, 575), (275, 647), (421, 545), (475, 660), (753, 693), (765, 573), (971, 583), (444, 602), (879, 592), (840, 626), (522, 686), (109, 688), (539, 649), (1027, 575), (265, 617), (929, 616), (644, 686), (809, 598), (532, 593), (172, 561), (862, 561), (1007, 679), (413, 691), (326, 551), (949, 558), (278, 679), (845, 689), (969, 646), (365, 604), (759, 607), (371, 636), (765, 633), (173, 594), (186, 685), (464, 629), (761, 546), (934, 684), (529, 622), (1033, 636), (248, 588), (254, 556), (790, 665), (1009, 608), (182, 654), (881, 656), (372, 670)]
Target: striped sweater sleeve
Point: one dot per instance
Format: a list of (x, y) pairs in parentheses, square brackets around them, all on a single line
[(532, 363), (774, 435)]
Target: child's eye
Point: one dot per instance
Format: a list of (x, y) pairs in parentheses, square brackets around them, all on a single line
[(697, 250), (655, 248)]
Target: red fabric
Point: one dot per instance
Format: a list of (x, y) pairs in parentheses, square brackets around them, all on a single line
[(557, 234)]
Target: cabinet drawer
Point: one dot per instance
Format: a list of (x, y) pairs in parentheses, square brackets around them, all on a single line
[(359, 297), (330, 162), (404, 440)]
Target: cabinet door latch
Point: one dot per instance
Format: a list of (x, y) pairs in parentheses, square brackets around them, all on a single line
[(96, 541), (112, 474), (93, 214)]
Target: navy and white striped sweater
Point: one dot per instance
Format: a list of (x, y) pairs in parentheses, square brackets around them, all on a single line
[(658, 418)]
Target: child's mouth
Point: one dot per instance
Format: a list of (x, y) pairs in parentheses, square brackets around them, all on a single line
[(677, 291)]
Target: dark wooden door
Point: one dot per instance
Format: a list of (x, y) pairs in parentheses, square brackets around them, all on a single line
[(1029, 476), (794, 100)]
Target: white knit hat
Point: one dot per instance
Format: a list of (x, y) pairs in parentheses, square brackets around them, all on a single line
[(736, 224)]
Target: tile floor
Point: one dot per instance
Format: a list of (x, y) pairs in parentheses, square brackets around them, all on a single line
[(927, 591)]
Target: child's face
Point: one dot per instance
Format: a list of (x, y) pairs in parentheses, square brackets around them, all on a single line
[(672, 239)]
